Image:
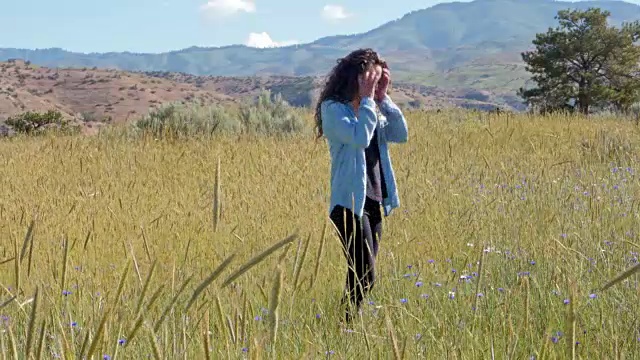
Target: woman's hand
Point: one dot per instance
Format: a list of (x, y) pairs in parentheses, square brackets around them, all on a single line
[(368, 82), (383, 85)]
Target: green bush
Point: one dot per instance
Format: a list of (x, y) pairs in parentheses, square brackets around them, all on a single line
[(179, 120), (271, 116), (33, 123), (266, 116)]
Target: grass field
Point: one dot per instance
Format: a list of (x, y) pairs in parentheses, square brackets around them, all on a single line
[(508, 229)]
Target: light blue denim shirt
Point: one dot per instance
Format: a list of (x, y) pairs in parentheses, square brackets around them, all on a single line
[(348, 136)]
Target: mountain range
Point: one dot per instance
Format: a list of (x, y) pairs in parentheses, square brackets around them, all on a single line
[(470, 45)]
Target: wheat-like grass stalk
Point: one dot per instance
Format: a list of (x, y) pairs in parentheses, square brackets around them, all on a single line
[(258, 258), (478, 285), (392, 335), (157, 353), (571, 323), (135, 263), (205, 336), (170, 306), (216, 199), (319, 254), (274, 303), (621, 277), (16, 265), (12, 344), (27, 239), (296, 276), (145, 243), (65, 261), (145, 287), (98, 337), (40, 346), (214, 275), (9, 301), (220, 321), (32, 324)]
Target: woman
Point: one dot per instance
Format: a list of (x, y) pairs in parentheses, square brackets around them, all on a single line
[(362, 178)]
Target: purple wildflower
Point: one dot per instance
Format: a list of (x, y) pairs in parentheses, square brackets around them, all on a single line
[(403, 300), (566, 301), (593, 296), (419, 283)]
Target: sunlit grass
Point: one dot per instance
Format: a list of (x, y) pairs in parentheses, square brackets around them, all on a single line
[(127, 263)]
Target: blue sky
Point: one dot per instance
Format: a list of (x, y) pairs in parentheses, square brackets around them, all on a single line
[(164, 25)]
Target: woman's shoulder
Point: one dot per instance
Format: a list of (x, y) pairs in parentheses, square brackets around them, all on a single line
[(334, 106)]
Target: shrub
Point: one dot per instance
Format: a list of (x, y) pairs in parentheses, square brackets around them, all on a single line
[(33, 123), (271, 116), (178, 120), (266, 116)]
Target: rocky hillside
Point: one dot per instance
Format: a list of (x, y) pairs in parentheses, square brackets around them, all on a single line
[(96, 97)]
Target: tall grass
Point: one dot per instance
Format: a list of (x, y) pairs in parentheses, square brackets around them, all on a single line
[(511, 228)]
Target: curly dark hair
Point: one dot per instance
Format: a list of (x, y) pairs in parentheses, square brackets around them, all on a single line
[(342, 82)]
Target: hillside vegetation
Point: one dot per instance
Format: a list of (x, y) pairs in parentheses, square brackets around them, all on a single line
[(95, 97), (509, 226)]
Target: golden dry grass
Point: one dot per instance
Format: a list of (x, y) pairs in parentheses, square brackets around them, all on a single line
[(548, 204)]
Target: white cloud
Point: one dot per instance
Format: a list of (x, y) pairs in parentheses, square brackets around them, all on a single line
[(334, 12), (263, 40), (222, 8)]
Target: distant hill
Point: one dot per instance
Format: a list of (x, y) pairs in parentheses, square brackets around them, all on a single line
[(430, 43), (94, 97)]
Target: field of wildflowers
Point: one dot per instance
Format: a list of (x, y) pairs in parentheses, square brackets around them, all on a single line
[(219, 247)]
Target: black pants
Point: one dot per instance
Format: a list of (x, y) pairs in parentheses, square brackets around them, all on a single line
[(360, 238)]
